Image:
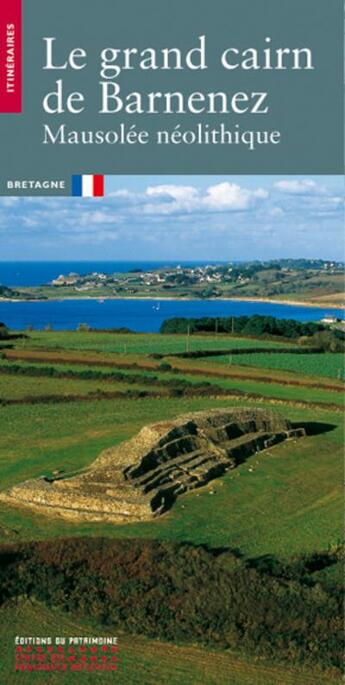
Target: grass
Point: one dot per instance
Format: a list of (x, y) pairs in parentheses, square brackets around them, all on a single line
[(231, 368), (113, 361), (329, 365), (275, 390), (141, 661), (25, 387), (290, 503), (139, 343), (200, 374)]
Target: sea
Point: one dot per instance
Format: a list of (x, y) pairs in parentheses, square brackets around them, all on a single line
[(40, 273), (144, 316)]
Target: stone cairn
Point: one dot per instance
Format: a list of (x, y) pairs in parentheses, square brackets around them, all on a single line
[(142, 477)]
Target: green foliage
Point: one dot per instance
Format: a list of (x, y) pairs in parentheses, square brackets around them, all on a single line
[(182, 384), (8, 292), (329, 341), (196, 383), (142, 661), (83, 328), (246, 325), (198, 354), (4, 333), (165, 366), (153, 588)]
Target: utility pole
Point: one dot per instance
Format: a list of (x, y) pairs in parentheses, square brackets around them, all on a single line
[(188, 339), (232, 325), (216, 327)]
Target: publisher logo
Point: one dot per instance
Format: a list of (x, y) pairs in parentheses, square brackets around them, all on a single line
[(11, 56), (71, 654)]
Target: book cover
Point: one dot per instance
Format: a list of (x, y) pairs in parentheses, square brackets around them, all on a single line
[(171, 342)]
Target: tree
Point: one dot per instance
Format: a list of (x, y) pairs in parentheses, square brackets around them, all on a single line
[(4, 332)]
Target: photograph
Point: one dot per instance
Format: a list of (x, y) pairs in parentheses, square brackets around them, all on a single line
[(171, 395), (172, 342)]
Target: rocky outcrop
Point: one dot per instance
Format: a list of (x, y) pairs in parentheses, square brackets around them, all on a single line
[(142, 477)]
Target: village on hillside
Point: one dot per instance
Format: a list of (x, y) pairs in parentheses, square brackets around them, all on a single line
[(286, 280)]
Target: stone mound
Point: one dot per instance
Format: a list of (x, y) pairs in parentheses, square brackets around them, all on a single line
[(142, 477)]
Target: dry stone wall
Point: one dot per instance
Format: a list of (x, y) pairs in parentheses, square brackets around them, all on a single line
[(142, 477)]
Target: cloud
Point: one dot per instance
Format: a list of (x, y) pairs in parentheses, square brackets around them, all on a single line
[(299, 187), (9, 201), (97, 217), (181, 216), (170, 199), (308, 198), (230, 196), (180, 193), (276, 211)]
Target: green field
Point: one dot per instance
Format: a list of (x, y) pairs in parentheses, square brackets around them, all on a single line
[(138, 343), (327, 364), (283, 502), (22, 387), (246, 387), (243, 511)]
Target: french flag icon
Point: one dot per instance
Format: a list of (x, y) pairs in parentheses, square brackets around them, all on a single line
[(87, 185)]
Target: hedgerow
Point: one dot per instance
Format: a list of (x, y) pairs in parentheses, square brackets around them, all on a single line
[(185, 593)]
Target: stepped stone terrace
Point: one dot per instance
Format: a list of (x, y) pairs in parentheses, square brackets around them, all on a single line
[(142, 477)]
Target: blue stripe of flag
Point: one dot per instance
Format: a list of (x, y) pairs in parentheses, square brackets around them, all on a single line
[(76, 186)]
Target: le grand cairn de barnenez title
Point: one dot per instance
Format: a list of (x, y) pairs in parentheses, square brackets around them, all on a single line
[(128, 109)]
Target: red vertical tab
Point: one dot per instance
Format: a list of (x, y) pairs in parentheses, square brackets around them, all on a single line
[(98, 185), (10, 56)]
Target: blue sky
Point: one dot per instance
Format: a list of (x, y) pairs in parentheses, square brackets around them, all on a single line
[(182, 218)]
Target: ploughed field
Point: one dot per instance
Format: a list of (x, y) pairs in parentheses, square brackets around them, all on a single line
[(65, 397)]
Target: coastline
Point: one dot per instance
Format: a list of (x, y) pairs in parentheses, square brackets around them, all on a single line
[(292, 303)]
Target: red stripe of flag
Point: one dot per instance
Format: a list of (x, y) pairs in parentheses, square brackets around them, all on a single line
[(98, 185), (10, 56)]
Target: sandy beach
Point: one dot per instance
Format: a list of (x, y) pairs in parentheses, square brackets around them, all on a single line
[(292, 303)]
